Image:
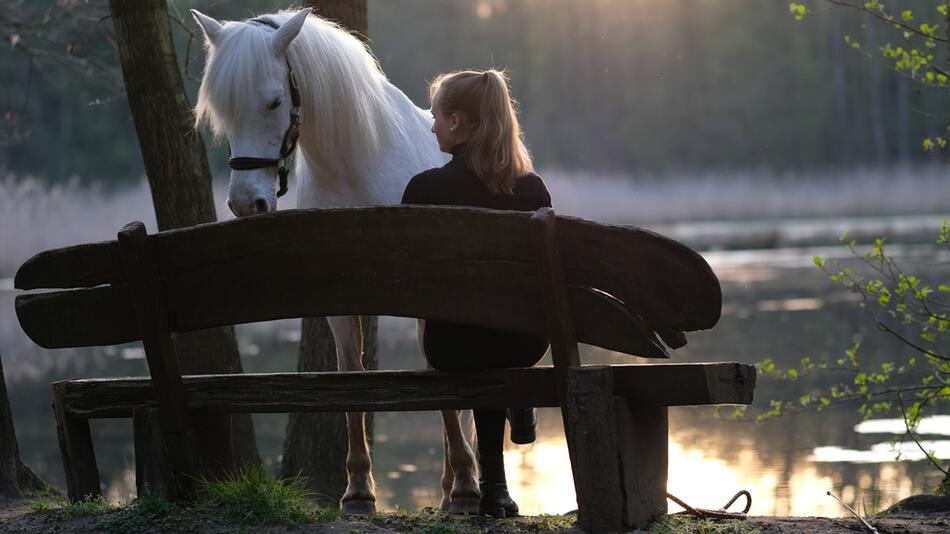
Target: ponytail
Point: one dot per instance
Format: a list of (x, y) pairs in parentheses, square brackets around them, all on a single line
[(495, 150)]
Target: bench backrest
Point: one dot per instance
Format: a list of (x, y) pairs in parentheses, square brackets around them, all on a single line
[(456, 264)]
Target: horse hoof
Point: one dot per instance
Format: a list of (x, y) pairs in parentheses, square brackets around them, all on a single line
[(358, 508), (464, 505)]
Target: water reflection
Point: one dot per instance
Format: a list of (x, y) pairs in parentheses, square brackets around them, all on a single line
[(883, 452), (935, 424)]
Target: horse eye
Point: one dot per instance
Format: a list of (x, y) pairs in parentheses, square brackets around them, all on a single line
[(275, 104)]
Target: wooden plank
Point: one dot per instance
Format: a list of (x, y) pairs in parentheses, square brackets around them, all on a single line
[(661, 279), (553, 293), (664, 283), (592, 441), (643, 448), (702, 383), (75, 445), (175, 420), (151, 465), (84, 265), (407, 390), (78, 318), (602, 320), (496, 294)]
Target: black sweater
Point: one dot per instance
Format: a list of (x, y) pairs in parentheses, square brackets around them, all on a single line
[(456, 347), (455, 184)]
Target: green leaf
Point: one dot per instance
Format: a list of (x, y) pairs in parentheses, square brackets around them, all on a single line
[(797, 10)]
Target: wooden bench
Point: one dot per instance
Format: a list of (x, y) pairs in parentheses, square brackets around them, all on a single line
[(620, 288)]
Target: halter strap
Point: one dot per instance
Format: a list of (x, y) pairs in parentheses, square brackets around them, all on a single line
[(289, 143)]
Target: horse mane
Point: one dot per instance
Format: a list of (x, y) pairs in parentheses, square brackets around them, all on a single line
[(346, 113)]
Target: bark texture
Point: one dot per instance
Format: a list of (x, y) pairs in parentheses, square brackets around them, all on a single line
[(351, 14), (315, 443), (177, 167), (15, 477)]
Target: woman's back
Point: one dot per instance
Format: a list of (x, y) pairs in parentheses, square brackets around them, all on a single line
[(455, 184)]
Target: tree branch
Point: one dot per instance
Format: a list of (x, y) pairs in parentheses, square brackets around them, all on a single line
[(890, 20), (913, 436)]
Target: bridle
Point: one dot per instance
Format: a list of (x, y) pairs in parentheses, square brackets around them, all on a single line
[(288, 144)]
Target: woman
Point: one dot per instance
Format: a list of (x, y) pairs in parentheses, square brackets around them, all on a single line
[(476, 122)]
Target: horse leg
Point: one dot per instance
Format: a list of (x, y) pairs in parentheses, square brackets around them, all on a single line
[(460, 493), (360, 496)]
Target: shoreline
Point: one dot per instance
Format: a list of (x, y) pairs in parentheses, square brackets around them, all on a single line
[(21, 517)]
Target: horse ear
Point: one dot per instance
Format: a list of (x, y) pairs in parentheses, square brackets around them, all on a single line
[(211, 27), (288, 31)]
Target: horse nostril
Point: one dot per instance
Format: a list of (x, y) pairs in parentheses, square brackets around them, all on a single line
[(230, 206), (260, 205)]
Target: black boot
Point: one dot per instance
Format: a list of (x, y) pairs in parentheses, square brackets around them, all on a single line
[(496, 501), (523, 422)]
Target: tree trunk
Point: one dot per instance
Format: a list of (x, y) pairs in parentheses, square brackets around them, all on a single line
[(15, 477), (177, 168), (315, 443), (351, 14)]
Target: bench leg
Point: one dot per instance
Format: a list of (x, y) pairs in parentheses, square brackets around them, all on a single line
[(75, 445), (151, 464), (642, 443), (590, 428)]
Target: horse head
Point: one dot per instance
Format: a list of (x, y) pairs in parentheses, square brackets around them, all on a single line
[(248, 95)]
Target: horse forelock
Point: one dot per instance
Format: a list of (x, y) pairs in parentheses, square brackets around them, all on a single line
[(347, 117)]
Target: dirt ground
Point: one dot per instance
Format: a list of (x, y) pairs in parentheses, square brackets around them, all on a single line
[(17, 517)]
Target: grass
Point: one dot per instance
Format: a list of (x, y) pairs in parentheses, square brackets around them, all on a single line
[(251, 498), (67, 510), (679, 524)]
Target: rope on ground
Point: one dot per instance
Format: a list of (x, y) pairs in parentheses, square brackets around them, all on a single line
[(721, 513)]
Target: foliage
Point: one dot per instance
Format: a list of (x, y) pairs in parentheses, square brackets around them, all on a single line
[(913, 55), (900, 303), (905, 307), (681, 524)]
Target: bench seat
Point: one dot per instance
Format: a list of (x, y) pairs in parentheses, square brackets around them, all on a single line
[(406, 390)]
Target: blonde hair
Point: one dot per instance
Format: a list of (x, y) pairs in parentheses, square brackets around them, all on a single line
[(495, 150)]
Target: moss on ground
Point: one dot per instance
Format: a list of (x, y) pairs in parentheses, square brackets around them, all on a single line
[(678, 524), (432, 521)]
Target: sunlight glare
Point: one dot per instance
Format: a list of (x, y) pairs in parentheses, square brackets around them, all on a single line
[(935, 424)]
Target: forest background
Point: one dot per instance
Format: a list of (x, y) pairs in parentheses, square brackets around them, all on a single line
[(624, 87)]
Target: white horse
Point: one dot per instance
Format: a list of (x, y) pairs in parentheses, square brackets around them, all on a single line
[(361, 140)]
